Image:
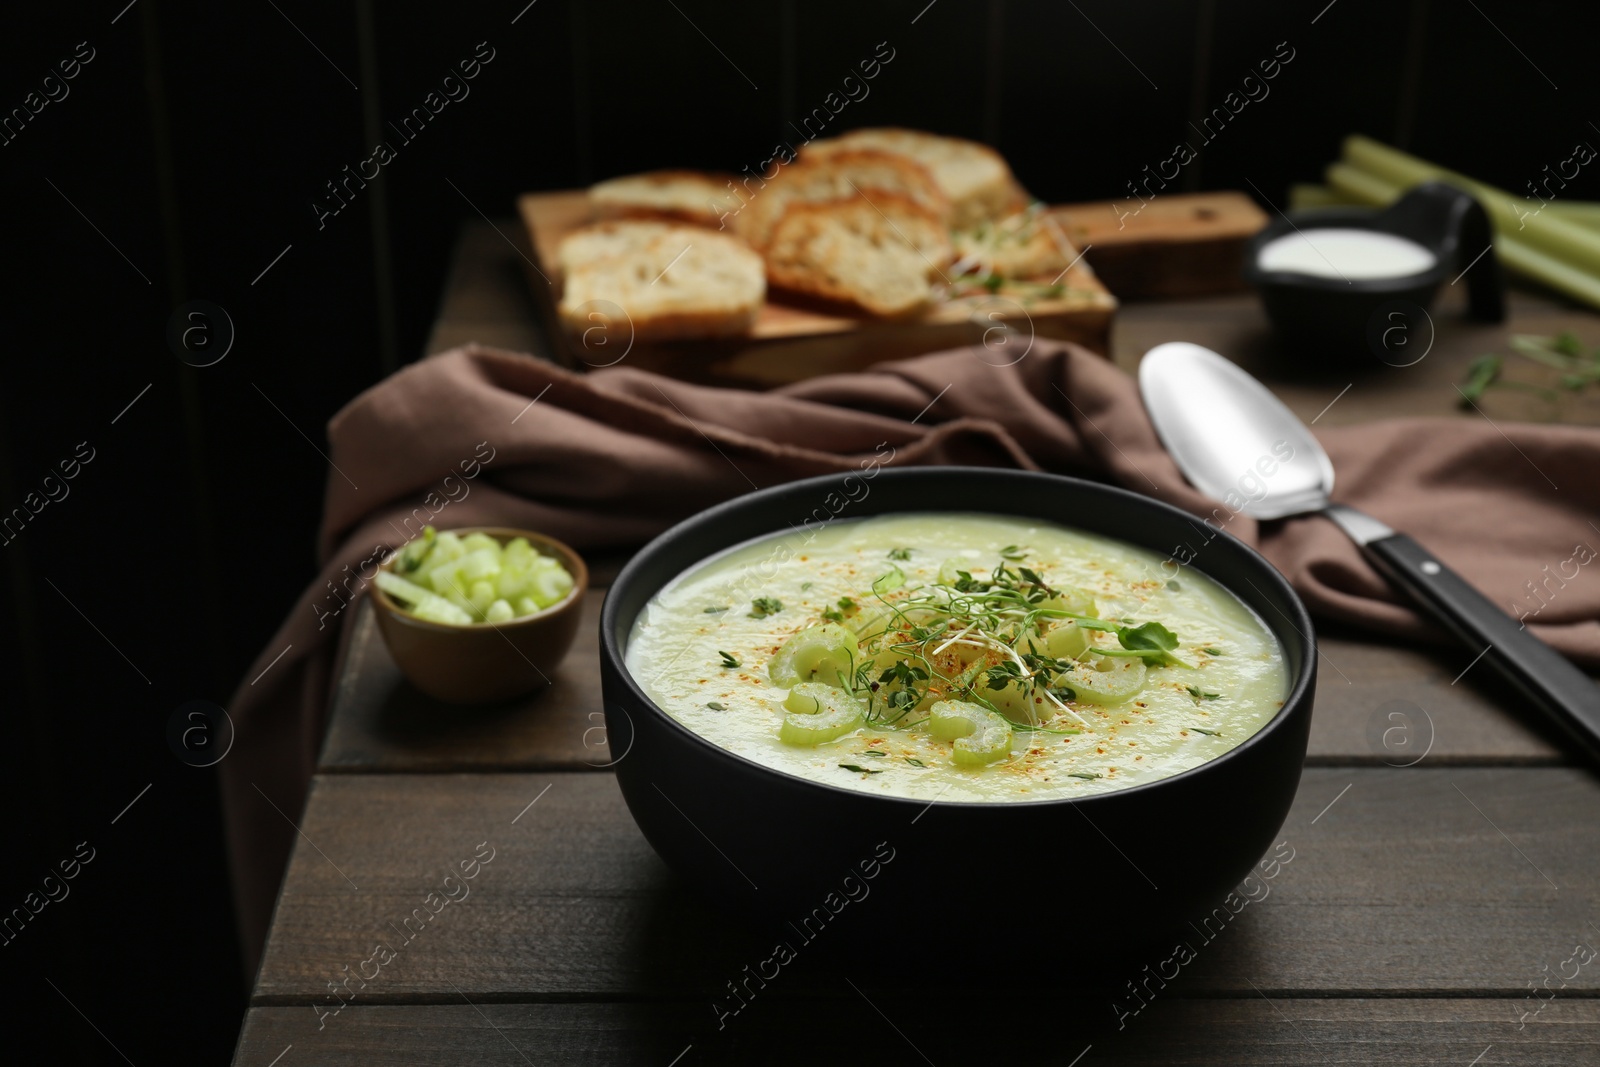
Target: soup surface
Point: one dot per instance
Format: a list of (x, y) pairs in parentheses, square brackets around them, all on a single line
[(962, 657)]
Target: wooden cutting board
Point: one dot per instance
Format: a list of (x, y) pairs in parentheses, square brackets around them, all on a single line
[(1178, 245), (1171, 246)]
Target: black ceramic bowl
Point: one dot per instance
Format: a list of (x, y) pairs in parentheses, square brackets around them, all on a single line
[(1368, 321), (757, 839)]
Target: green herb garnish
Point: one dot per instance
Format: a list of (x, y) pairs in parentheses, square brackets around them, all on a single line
[(1195, 691), (1481, 373), (1208, 733), (716, 611), (858, 769), (874, 752), (1003, 614), (1212, 651), (915, 762), (1575, 369), (899, 553), (1087, 776), (762, 606), (717, 705), (727, 660), (1172, 584), (1151, 641)]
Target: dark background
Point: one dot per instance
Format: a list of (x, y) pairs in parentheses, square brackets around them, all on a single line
[(196, 141)]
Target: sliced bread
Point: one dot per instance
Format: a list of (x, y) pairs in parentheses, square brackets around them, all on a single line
[(604, 240), (975, 178), (693, 196), (1031, 245), (877, 254), (841, 176), (646, 281)]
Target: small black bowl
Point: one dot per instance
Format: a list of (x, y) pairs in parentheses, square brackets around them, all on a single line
[(1131, 865), (1368, 321)]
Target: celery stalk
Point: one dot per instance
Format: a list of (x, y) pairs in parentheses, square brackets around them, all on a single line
[(1516, 217)]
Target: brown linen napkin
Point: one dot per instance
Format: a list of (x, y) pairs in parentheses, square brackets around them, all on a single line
[(607, 460)]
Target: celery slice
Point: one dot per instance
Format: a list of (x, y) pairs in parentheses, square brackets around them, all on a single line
[(549, 586), (981, 736), (818, 713), (825, 653), (1072, 601), (499, 611), (1066, 640), (477, 542), (1104, 679), (447, 548), (416, 551), (420, 601), (461, 572), (481, 595)]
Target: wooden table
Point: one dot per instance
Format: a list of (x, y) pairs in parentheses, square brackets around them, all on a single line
[(1446, 862)]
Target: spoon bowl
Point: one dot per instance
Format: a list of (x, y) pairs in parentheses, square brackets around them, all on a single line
[(1234, 440)]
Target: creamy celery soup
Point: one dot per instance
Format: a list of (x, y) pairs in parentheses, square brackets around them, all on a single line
[(958, 656)]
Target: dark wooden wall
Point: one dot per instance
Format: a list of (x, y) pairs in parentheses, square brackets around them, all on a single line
[(186, 159)]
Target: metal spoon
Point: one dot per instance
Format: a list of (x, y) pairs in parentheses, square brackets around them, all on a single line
[(1238, 444)]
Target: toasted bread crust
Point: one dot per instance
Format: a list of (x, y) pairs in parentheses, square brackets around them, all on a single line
[(875, 253), (842, 175), (976, 179), (698, 197)]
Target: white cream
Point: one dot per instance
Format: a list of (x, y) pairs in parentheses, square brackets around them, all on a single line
[(1346, 254)]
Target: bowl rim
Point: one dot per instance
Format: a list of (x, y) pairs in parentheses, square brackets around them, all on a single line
[(1300, 689), (570, 560)]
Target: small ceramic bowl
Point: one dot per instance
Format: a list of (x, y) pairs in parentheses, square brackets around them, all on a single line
[(1366, 321), (486, 661)]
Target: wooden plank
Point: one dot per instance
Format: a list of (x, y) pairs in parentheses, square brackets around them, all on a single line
[(379, 722), (1395, 705), (1411, 882), (1174, 245), (487, 295), (1243, 1031), (1238, 328)]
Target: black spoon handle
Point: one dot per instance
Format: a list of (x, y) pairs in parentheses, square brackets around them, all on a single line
[(1538, 671)]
